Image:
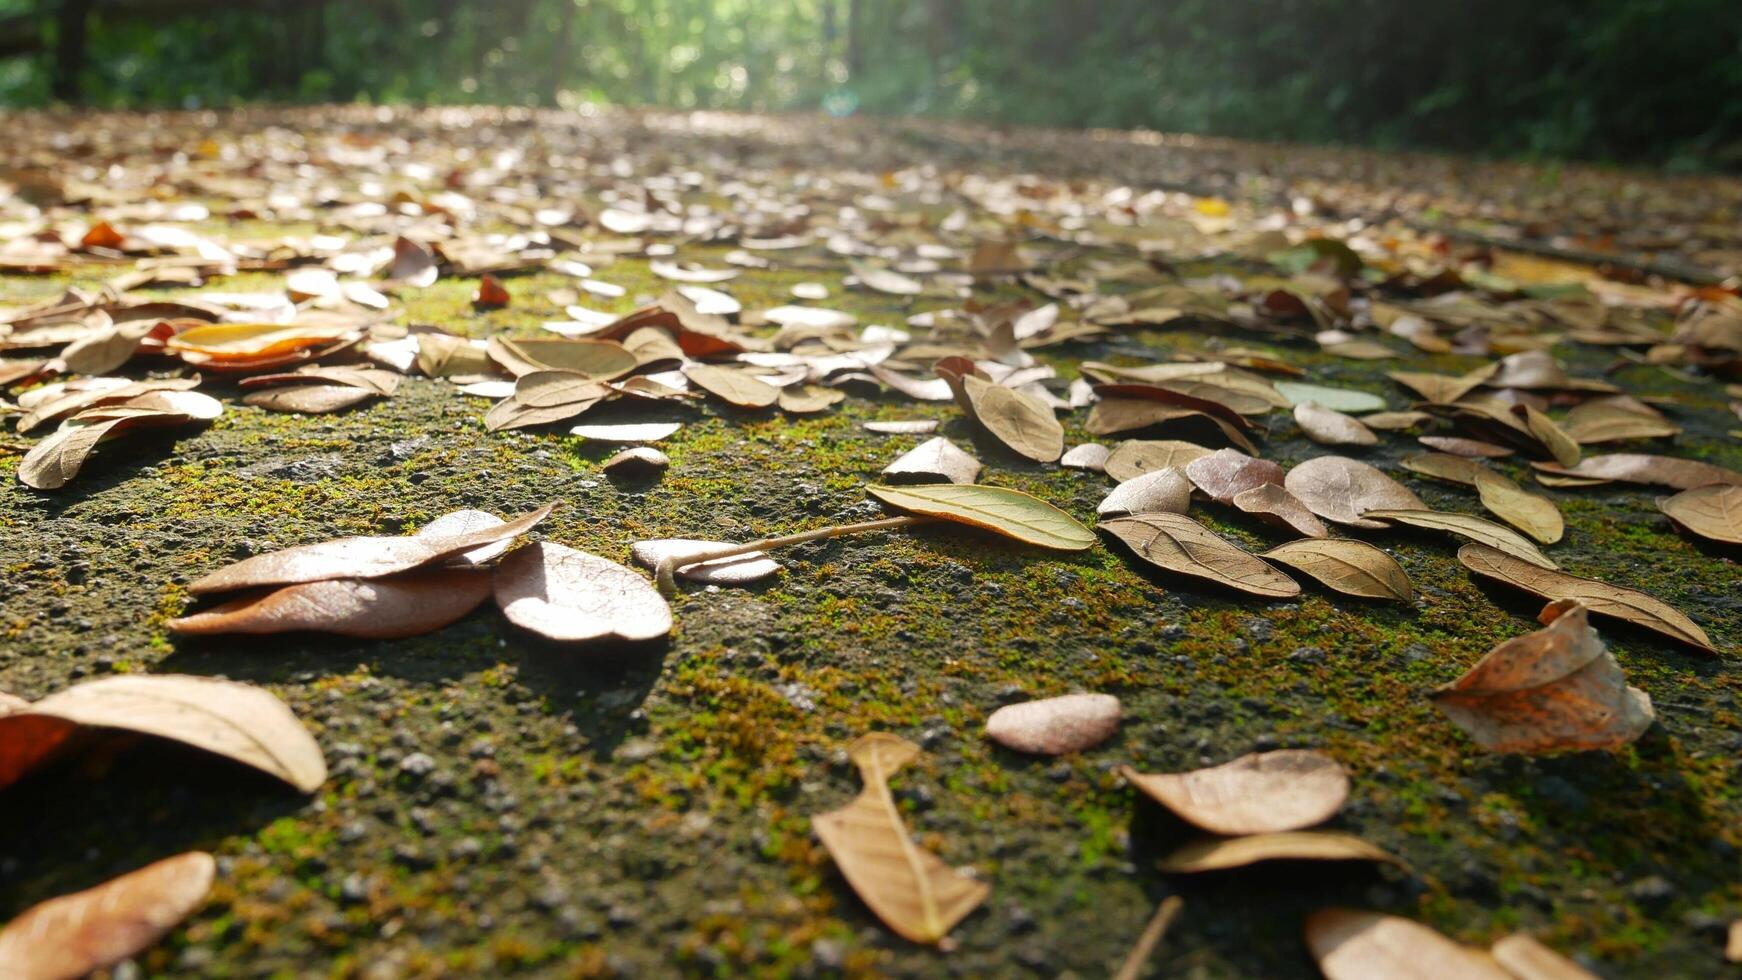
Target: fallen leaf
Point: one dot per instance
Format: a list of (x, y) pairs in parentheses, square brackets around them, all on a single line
[(1355, 945), (1666, 471), (1088, 456), (1279, 508), (742, 569), (1176, 543), (1328, 427), (1444, 389), (1526, 959), (1227, 473), (732, 387), (1348, 566), (1022, 422), (809, 399), (1135, 457), (642, 460), (1223, 853), (73, 935), (1444, 466), (1559, 445), (466, 521), (309, 399), (1713, 512), (1341, 490), (1262, 793), (1335, 399), (903, 427), (886, 280), (1473, 528), (491, 292), (242, 723), (627, 432), (1473, 448), (1531, 513), (247, 341), (1556, 689), (1055, 726), (909, 888), (1608, 420), (564, 594), (1011, 513), (359, 557), (1165, 490), (936, 460), (1625, 604), (379, 609)]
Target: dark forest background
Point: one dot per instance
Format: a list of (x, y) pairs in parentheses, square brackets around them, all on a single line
[(1652, 81)]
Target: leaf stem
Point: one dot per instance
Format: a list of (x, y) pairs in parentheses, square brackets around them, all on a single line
[(1146, 943), (669, 566)]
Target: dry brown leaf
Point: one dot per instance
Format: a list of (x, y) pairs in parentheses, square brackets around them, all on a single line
[(1165, 490), (1356, 945), (594, 360), (1526, 959), (903, 427), (1444, 466), (1733, 950), (1713, 512), (809, 398), (309, 399), (627, 431), (68, 937), (544, 397), (1473, 448), (1222, 853), (1012, 513), (742, 569), (1626, 604), (1555, 689), (491, 292), (1262, 793), (936, 460), (379, 609), (1022, 422), (1176, 543), (564, 594), (1135, 457), (239, 722), (1615, 420), (1279, 508), (1473, 528), (1348, 566), (909, 888), (1055, 726), (1441, 388), (1088, 456), (732, 387), (1226, 473), (360, 557), (1395, 421), (641, 460), (1115, 415), (1341, 490), (1531, 513), (1332, 428), (1665, 471), (1559, 445)]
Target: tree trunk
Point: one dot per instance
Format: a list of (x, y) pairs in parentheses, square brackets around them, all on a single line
[(72, 22)]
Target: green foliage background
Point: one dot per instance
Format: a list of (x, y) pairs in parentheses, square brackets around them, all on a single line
[(1628, 80)]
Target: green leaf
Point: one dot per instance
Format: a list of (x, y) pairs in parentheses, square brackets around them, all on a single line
[(1339, 399), (1011, 513)]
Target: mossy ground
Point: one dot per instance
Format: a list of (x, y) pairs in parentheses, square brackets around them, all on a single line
[(645, 812)]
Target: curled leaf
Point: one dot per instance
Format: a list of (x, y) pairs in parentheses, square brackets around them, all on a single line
[(1227, 473), (1329, 427), (736, 570), (1262, 793), (1354, 945), (361, 557), (909, 888), (1626, 604), (564, 594), (1474, 528), (1531, 513), (1555, 689), (403, 605), (73, 935), (733, 387), (936, 460), (1526, 959), (1348, 566), (1011, 513), (1176, 543), (239, 722), (1666, 471), (1713, 512), (1276, 506), (1222, 853), (1163, 490), (1134, 457)]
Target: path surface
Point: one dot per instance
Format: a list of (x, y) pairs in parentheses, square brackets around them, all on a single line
[(500, 806)]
